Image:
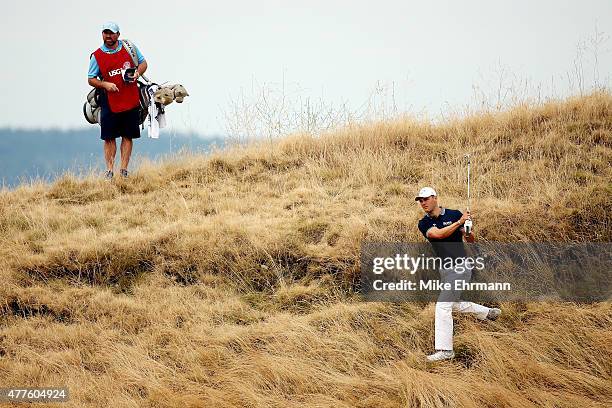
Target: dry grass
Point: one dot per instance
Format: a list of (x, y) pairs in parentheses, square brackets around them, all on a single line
[(227, 280)]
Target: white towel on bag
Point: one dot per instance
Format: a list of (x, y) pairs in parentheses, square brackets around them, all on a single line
[(157, 118)]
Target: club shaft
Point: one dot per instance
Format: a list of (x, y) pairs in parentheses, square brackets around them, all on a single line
[(468, 183)]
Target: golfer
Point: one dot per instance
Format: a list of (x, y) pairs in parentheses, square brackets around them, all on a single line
[(109, 68), (443, 227)]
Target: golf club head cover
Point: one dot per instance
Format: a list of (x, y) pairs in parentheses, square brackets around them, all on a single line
[(179, 92), (164, 95)]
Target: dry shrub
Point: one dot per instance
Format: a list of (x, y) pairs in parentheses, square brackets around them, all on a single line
[(228, 280)]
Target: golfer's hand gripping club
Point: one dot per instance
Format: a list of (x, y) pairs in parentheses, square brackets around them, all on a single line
[(466, 221), (467, 226)]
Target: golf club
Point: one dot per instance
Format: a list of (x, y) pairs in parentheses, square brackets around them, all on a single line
[(468, 223)]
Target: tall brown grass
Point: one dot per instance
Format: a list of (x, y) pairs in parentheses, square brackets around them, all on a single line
[(227, 280)]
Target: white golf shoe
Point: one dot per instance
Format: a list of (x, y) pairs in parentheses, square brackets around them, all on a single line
[(441, 355), (493, 313)]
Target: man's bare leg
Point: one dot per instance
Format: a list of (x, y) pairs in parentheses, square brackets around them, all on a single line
[(110, 148), (126, 152)]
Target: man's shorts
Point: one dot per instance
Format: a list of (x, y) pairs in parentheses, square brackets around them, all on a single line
[(121, 124)]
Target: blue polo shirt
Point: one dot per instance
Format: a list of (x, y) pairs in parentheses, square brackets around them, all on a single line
[(94, 68), (444, 247)]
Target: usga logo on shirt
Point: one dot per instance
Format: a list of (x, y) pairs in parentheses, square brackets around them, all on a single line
[(114, 72)]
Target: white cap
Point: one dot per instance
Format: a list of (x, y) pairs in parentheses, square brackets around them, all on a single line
[(111, 26), (425, 192)]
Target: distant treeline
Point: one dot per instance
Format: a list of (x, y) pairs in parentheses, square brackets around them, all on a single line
[(45, 154)]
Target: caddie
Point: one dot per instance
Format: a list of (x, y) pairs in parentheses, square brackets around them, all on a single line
[(443, 227), (113, 72)]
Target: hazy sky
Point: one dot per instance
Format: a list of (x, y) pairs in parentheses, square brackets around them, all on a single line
[(433, 52)]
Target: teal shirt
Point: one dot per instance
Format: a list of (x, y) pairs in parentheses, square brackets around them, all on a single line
[(94, 68)]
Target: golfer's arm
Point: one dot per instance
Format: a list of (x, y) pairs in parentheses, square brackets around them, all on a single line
[(441, 233), (468, 238), (95, 82)]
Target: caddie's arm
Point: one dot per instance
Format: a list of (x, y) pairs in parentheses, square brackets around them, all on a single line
[(441, 233), (142, 68), (108, 86)]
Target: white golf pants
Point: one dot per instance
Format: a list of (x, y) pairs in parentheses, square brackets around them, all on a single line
[(444, 320), (444, 310)]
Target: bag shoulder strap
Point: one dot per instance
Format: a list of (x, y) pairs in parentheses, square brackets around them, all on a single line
[(131, 49)]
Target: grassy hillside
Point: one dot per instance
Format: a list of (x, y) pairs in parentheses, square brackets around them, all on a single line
[(228, 280)]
